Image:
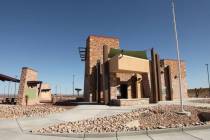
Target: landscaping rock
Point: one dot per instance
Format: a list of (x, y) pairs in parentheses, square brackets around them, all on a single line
[(157, 117), (16, 111)]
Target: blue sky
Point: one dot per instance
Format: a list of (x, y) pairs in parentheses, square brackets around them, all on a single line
[(45, 34)]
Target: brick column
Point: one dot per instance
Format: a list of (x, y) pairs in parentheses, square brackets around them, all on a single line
[(139, 86), (129, 91)]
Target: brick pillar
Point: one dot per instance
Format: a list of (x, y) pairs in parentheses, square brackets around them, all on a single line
[(139, 86), (158, 77), (129, 91), (146, 86), (154, 81), (106, 73), (113, 82), (27, 74)]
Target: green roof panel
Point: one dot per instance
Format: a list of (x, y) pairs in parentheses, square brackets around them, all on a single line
[(139, 54)]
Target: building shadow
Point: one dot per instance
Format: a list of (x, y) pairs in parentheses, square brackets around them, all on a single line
[(204, 116)]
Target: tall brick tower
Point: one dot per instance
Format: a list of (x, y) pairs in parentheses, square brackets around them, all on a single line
[(94, 53)]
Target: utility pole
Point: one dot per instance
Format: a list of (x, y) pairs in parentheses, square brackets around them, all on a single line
[(178, 56), (60, 92), (4, 91), (8, 88), (66, 91), (207, 68), (73, 85), (15, 86)]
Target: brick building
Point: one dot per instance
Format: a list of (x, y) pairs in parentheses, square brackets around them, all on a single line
[(114, 76)]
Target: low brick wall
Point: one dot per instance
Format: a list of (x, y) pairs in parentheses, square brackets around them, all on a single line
[(199, 93), (129, 102), (59, 98)]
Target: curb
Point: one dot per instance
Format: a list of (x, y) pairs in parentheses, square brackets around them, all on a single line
[(132, 133), (100, 135), (206, 126), (167, 130), (118, 134), (79, 135)]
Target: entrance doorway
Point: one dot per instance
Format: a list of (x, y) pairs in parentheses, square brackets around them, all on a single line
[(124, 91)]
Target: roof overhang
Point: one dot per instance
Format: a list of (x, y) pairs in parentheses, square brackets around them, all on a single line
[(45, 90), (34, 83)]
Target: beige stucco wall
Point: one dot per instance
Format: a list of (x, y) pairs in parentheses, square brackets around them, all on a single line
[(45, 96), (123, 63)]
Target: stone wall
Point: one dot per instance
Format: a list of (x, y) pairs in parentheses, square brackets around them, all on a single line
[(27, 74), (94, 52)]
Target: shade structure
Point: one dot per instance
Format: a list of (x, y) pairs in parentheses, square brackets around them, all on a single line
[(8, 78)]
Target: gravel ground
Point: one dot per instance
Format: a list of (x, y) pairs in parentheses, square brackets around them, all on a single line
[(15, 111), (157, 117)]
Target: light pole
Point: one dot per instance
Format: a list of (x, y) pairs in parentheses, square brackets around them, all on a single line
[(73, 85), (4, 91), (60, 92), (207, 69), (56, 89), (178, 56)]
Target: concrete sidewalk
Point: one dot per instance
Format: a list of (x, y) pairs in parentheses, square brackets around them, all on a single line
[(202, 134)]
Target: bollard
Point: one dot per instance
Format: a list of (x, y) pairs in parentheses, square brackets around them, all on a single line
[(90, 100)]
